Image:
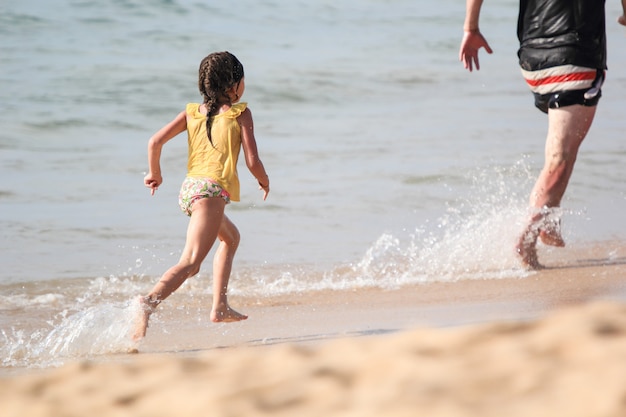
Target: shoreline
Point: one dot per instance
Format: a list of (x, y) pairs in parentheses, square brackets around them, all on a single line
[(330, 314), (515, 347), (181, 325)]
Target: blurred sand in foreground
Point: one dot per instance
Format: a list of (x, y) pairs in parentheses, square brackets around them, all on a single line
[(571, 362)]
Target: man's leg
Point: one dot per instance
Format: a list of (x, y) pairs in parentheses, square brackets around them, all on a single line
[(567, 127)]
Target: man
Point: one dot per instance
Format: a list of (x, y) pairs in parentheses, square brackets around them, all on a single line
[(562, 56)]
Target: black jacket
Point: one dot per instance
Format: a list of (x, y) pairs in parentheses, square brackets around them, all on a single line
[(560, 32)]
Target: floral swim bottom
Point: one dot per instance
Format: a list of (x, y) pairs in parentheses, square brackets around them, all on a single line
[(194, 189)]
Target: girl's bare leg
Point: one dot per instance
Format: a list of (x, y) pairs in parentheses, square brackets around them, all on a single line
[(222, 267), (567, 127), (204, 225)]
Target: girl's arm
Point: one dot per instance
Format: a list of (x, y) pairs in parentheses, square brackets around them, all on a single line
[(155, 144), (253, 162)]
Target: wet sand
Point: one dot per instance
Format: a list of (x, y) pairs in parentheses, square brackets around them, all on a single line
[(552, 343)]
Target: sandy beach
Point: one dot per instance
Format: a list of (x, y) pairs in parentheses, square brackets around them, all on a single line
[(553, 343)]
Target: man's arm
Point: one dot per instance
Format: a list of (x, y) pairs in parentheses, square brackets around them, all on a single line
[(622, 18), (472, 15), (473, 40)]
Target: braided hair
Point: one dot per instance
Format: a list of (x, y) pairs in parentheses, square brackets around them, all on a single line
[(218, 72)]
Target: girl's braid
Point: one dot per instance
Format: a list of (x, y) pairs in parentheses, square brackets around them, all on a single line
[(218, 72)]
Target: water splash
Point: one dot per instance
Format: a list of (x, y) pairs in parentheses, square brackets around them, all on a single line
[(104, 328), (101, 329), (473, 239)]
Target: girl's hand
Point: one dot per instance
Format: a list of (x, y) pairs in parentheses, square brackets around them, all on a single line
[(265, 188), (622, 20), (152, 181)]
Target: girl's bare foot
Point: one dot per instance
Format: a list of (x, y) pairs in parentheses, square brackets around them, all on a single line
[(222, 313), (144, 310)]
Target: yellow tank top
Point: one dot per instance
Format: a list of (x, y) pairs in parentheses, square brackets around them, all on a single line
[(217, 161)]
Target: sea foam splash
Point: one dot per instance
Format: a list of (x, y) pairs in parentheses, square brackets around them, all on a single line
[(100, 329), (473, 239)]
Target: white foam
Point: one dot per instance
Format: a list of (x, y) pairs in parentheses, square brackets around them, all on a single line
[(101, 329)]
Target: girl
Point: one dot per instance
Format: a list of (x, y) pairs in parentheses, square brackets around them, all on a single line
[(216, 130)]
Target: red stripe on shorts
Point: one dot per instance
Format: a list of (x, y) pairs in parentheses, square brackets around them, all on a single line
[(575, 76)]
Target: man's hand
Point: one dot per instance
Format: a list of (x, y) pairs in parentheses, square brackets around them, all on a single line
[(471, 43)]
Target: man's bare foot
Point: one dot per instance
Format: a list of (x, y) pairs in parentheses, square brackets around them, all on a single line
[(551, 238), (224, 314), (144, 310), (528, 255), (526, 248), (549, 224)]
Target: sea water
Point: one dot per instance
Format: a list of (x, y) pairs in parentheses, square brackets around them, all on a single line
[(389, 163)]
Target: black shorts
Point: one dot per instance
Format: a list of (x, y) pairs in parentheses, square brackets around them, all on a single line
[(588, 96)]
